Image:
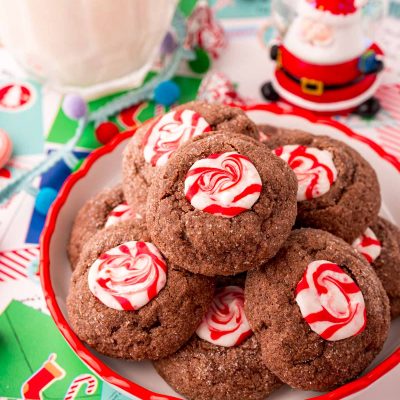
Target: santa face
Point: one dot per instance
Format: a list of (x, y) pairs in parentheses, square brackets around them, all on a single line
[(320, 40)]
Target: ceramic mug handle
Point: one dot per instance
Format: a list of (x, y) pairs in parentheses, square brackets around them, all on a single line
[(274, 23)]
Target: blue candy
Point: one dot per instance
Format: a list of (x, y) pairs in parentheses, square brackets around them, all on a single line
[(44, 199), (167, 93)]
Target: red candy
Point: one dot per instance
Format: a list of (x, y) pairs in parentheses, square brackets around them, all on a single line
[(127, 277), (223, 184), (122, 212), (225, 324), (314, 169), (169, 132), (106, 131), (368, 245), (217, 88), (330, 301)]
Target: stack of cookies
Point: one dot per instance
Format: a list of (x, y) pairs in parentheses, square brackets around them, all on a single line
[(238, 258)]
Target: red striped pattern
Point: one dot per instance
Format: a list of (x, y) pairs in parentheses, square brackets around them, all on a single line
[(389, 138), (389, 96), (330, 301), (85, 379), (224, 184), (14, 263)]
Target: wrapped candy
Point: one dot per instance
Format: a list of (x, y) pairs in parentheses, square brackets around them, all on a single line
[(217, 88), (204, 31)]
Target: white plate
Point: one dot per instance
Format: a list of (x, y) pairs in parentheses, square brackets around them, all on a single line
[(103, 169)]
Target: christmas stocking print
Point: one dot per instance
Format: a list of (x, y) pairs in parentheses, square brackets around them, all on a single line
[(41, 379)]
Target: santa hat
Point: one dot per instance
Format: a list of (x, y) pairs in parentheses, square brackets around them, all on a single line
[(338, 7), (332, 11)]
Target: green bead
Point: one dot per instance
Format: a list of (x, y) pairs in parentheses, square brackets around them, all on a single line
[(78, 165), (201, 63)]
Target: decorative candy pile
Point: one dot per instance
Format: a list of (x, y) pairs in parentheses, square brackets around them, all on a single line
[(232, 344)]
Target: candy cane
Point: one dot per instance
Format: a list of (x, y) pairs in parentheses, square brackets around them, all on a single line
[(85, 379)]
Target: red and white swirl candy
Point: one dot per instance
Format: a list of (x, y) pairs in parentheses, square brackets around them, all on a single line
[(169, 132), (122, 212), (225, 324), (127, 277), (368, 245), (330, 301), (314, 169), (224, 184)]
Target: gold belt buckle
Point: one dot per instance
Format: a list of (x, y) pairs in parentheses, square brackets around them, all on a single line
[(312, 86)]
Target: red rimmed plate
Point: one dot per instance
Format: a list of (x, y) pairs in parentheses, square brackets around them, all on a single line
[(103, 168)]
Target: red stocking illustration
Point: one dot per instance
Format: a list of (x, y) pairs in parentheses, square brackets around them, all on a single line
[(41, 379)]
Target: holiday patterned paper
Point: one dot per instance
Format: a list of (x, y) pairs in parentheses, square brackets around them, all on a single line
[(21, 115), (53, 178), (15, 264), (15, 212), (40, 369), (48, 369)]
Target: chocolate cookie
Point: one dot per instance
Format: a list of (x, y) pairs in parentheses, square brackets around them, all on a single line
[(318, 310), (127, 301), (154, 142), (222, 361), (380, 245), (223, 204), (104, 210), (338, 190), (265, 132)]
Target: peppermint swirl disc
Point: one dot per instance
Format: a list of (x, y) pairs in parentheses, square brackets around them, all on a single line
[(368, 245), (169, 132), (127, 277), (330, 301), (225, 324), (122, 212), (223, 184), (313, 167)]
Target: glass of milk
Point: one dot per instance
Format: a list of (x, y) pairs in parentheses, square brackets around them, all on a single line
[(90, 46)]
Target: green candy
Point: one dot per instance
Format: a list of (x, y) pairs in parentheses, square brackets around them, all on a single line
[(201, 63)]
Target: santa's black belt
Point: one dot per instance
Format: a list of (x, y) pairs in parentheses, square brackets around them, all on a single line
[(316, 87)]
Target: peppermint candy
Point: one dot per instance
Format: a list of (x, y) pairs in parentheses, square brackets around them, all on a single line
[(169, 132), (225, 323), (368, 245), (128, 276), (203, 30), (217, 88), (330, 301), (122, 212), (313, 167), (224, 184)]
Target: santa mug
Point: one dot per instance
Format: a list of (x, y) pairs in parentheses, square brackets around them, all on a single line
[(94, 46), (323, 60)]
